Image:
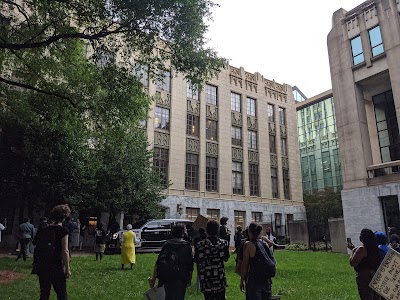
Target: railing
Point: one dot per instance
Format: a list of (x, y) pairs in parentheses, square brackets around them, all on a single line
[(389, 168)]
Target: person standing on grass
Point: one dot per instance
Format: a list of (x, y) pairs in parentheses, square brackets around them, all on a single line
[(258, 266), (224, 232), (3, 227), (210, 255), (51, 257), (238, 238), (128, 247), (70, 226), (100, 241), (365, 260), (174, 266), (26, 234)]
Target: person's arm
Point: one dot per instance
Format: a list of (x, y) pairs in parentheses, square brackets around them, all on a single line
[(271, 243), (357, 255), (65, 256), (245, 265)]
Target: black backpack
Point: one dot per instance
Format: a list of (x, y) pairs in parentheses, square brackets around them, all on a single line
[(45, 250), (168, 268), (264, 264)]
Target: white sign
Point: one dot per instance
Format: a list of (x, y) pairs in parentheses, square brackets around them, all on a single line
[(386, 281)]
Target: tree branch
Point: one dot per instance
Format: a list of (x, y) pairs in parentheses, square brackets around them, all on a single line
[(55, 38), (20, 9), (32, 88)]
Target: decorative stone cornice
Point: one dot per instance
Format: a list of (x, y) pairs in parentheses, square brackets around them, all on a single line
[(212, 149), (193, 107), (211, 111), (161, 139), (252, 122), (272, 128), (285, 162), (274, 160), (235, 76), (163, 99), (237, 154), (283, 131), (253, 157), (236, 118), (192, 145)]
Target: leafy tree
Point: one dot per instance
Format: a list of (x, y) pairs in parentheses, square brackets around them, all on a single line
[(70, 105), (321, 206)]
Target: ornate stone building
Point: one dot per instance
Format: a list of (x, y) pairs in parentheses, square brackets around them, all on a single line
[(364, 57), (229, 149)]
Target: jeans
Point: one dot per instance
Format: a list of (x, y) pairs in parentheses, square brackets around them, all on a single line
[(214, 296), (59, 283), (258, 291), (175, 290), (24, 248)]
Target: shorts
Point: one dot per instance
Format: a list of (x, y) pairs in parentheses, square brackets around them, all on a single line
[(99, 248)]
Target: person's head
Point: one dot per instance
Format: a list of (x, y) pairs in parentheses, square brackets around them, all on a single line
[(224, 220), (212, 227), (178, 231), (239, 228), (395, 240), (26, 220), (129, 226), (381, 238), (268, 230), (254, 230), (59, 213)]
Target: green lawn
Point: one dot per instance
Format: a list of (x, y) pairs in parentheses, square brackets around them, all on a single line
[(300, 275)]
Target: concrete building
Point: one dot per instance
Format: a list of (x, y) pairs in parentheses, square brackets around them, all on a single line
[(229, 150), (364, 56), (318, 143)]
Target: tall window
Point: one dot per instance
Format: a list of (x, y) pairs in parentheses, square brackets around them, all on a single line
[(192, 91), (161, 119), (240, 218), (286, 184), (252, 140), (271, 114), (253, 180), (274, 183), (141, 73), (211, 174), (213, 214), (251, 107), (237, 178), (272, 144), (160, 162), (282, 116), (212, 130), (211, 94), (375, 38), (326, 168), (256, 216), (387, 126), (163, 81), (357, 50), (192, 171), (236, 136), (284, 147), (192, 213), (192, 125), (235, 102)]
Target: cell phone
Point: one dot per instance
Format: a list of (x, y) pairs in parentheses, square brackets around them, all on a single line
[(349, 243)]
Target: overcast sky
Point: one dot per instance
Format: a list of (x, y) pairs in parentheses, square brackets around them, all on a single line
[(283, 40)]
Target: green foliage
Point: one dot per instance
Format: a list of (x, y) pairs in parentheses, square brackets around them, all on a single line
[(322, 205), (69, 105), (296, 247), (300, 276)]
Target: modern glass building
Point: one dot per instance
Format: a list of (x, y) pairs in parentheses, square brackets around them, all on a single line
[(318, 143)]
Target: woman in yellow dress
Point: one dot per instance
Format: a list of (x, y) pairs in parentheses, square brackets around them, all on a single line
[(128, 247)]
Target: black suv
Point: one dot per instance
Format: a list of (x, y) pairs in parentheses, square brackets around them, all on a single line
[(152, 234)]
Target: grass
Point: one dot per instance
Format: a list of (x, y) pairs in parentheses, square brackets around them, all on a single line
[(300, 275)]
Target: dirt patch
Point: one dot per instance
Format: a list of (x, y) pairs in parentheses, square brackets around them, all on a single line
[(9, 276)]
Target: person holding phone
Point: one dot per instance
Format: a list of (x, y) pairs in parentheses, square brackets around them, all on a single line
[(365, 260)]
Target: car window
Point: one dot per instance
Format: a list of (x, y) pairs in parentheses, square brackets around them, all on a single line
[(152, 225), (165, 225)]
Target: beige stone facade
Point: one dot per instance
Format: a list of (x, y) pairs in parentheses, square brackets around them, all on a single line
[(184, 202), (364, 56)]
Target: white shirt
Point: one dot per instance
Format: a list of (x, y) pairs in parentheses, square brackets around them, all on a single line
[(1, 229)]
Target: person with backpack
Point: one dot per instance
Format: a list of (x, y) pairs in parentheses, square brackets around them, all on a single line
[(210, 255), (174, 266), (100, 241), (51, 257), (258, 266)]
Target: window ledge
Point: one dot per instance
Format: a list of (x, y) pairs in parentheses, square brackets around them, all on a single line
[(378, 57), (359, 66)]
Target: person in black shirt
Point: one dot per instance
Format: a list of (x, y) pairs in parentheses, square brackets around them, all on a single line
[(224, 232), (51, 257), (100, 242)]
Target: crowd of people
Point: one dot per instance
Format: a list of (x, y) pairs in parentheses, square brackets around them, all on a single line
[(208, 251), (366, 258)]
